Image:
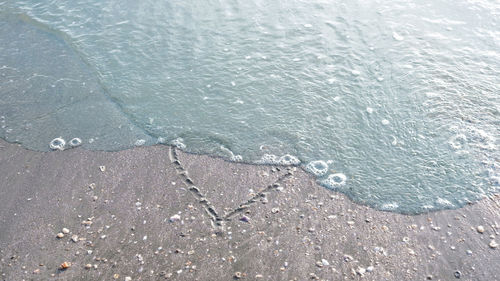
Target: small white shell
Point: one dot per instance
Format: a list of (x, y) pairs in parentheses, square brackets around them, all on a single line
[(74, 142), (57, 143)]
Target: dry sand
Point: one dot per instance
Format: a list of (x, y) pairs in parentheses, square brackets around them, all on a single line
[(156, 213)]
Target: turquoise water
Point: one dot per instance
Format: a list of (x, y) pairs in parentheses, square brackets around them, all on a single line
[(395, 103)]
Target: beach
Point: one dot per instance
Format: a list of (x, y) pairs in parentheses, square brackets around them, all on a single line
[(157, 213)]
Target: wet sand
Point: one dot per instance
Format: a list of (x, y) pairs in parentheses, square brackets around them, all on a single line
[(156, 213)]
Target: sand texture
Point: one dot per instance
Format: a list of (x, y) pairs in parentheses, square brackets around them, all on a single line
[(156, 213)]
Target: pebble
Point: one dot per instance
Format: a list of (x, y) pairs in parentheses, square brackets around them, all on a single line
[(348, 258), (74, 238), (128, 278), (313, 276), (325, 262), (457, 274), (102, 168), (65, 265), (175, 218), (480, 229), (245, 219), (88, 266), (65, 230), (493, 244), (238, 275), (370, 269), (60, 235), (361, 271)]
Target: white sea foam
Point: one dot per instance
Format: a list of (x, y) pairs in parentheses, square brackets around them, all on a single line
[(397, 37), (74, 142), (232, 156), (390, 206), (318, 168), (385, 122), (57, 143), (268, 159), (285, 160), (288, 160), (444, 202), (457, 141), (335, 180), (178, 142), (369, 110), (139, 142), (482, 139)]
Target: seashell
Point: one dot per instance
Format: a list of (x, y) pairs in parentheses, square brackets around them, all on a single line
[(65, 265)]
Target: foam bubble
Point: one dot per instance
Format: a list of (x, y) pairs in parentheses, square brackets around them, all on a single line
[(57, 143), (268, 159), (457, 141), (74, 142), (161, 140), (394, 140), (178, 142), (335, 180), (237, 158), (385, 122), (140, 142), (369, 110), (288, 160), (397, 37), (389, 206), (444, 202), (483, 140), (318, 168), (355, 72), (233, 157)]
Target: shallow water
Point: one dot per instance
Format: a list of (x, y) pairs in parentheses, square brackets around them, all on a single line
[(396, 104)]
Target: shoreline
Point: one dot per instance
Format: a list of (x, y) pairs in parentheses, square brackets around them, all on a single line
[(281, 166), (155, 213)]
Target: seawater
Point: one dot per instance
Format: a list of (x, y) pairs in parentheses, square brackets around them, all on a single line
[(394, 103)]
